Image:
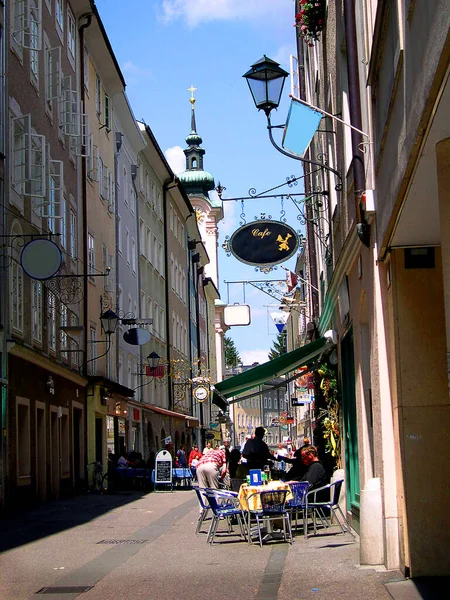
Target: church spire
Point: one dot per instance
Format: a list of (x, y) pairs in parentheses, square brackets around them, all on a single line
[(195, 180)]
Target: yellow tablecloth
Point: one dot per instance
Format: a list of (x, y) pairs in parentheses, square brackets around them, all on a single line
[(249, 496)]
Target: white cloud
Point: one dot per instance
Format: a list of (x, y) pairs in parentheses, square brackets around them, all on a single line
[(176, 159), (204, 11), (134, 73), (249, 357)]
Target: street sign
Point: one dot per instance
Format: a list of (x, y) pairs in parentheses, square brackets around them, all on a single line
[(163, 468), (210, 436)]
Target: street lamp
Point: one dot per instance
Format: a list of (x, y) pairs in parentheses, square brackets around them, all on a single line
[(109, 321), (266, 79), (153, 360)]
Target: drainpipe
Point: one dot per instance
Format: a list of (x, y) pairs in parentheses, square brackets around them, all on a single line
[(359, 178), (138, 267), (116, 233)]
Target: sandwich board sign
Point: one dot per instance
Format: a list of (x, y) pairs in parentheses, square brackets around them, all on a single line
[(163, 469)]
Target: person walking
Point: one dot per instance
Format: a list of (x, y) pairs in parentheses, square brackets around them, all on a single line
[(211, 468), (256, 451), (194, 456)]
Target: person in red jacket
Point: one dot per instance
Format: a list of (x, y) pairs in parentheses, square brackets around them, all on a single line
[(194, 456)]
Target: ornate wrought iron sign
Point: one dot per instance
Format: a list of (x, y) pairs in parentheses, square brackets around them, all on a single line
[(264, 242)]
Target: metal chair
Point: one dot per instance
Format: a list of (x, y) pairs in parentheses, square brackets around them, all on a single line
[(299, 490), (273, 507), (224, 505), (205, 508), (332, 504)]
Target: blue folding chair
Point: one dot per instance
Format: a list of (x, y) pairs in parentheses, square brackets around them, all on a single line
[(204, 505), (224, 505), (315, 503), (299, 490), (273, 507)]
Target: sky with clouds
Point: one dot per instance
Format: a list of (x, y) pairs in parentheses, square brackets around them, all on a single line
[(165, 46)]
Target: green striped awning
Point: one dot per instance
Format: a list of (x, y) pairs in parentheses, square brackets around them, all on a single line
[(267, 371)]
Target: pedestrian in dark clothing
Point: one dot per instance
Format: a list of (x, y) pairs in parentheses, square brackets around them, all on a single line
[(256, 451)]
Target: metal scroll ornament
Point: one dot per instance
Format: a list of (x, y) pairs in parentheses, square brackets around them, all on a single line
[(263, 243)]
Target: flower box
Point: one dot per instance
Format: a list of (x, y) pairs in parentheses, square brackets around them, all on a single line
[(310, 20)]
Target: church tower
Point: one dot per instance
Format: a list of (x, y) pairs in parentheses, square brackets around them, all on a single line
[(198, 183)]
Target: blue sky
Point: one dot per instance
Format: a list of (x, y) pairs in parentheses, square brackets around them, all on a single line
[(164, 46)]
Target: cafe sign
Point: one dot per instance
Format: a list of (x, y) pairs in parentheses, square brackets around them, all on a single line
[(263, 243)]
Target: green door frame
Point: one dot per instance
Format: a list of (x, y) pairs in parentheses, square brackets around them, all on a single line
[(350, 423)]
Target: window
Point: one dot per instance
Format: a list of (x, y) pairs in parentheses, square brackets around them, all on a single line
[(51, 322), (62, 223), (141, 237), (27, 24), (63, 339), (71, 33), (36, 287), (98, 95), (91, 254), (34, 54), (107, 113), (119, 233), (28, 169), (73, 235), (53, 79), (149, 244), (133, 255), (162, 328), (59, 14), (65, 444), (86, 68), (127, 246), (125, 185)]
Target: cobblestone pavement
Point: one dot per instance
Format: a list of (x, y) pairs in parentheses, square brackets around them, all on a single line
[(143, 546)]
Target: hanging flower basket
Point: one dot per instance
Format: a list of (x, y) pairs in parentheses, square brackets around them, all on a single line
[(310, 20)]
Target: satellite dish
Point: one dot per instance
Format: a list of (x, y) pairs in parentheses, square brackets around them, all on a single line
[(41, 259), (136, 336)]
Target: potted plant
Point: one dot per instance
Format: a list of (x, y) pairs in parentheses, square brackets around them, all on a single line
[(310, 19)]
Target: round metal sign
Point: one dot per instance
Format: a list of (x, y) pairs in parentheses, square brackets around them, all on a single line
[(136, 336), (41, 259), (264, 242)]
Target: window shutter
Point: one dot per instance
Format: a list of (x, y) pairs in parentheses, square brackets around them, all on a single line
[(54, 74), (27, 27)]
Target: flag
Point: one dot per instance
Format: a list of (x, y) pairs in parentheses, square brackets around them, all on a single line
[(301, 125), (291, 280), (279, 318)]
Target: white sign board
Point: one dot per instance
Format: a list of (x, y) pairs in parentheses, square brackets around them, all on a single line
[(163, 467), (237, 314)]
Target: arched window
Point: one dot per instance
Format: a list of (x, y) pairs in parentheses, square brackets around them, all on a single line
[(193, 163)]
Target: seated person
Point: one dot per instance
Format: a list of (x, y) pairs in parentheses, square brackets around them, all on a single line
[(298, 468), (315, 474)]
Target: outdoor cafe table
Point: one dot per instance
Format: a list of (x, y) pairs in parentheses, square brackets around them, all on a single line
[(249, 494)]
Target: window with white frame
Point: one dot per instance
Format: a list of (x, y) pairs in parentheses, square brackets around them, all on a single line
[(59, 14), (156, 320), (162, 324), (133, 255), (28, 160), (141, 237), (98, 95), (119, 234), (63, 223), (86, 68), (155, 252), (160, 258), (149, 244), (52, 73), (51, 325), (63, 338), (91, 254), (132, 200), (34, 54), (26, 26), (107, 113), (71, 33), (73, 234), (149, 308), (127, 247), (36, 320), (143, 310)]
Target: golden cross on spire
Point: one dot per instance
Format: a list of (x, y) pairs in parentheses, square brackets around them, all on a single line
[(192, 89)]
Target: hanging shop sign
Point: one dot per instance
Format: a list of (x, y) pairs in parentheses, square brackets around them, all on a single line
[(264, 242)]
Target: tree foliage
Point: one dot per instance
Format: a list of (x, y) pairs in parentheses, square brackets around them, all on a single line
[(232, 358), (279, 346)]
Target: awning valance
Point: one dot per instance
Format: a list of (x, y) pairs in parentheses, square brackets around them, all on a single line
[(268, 371)]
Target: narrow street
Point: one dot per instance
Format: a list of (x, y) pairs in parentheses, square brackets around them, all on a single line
[(133, 545)]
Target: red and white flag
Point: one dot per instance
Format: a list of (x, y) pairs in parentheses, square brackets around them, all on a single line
[(291, 280)]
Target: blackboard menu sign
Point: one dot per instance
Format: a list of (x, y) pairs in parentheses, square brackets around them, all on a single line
[(163, 467)]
